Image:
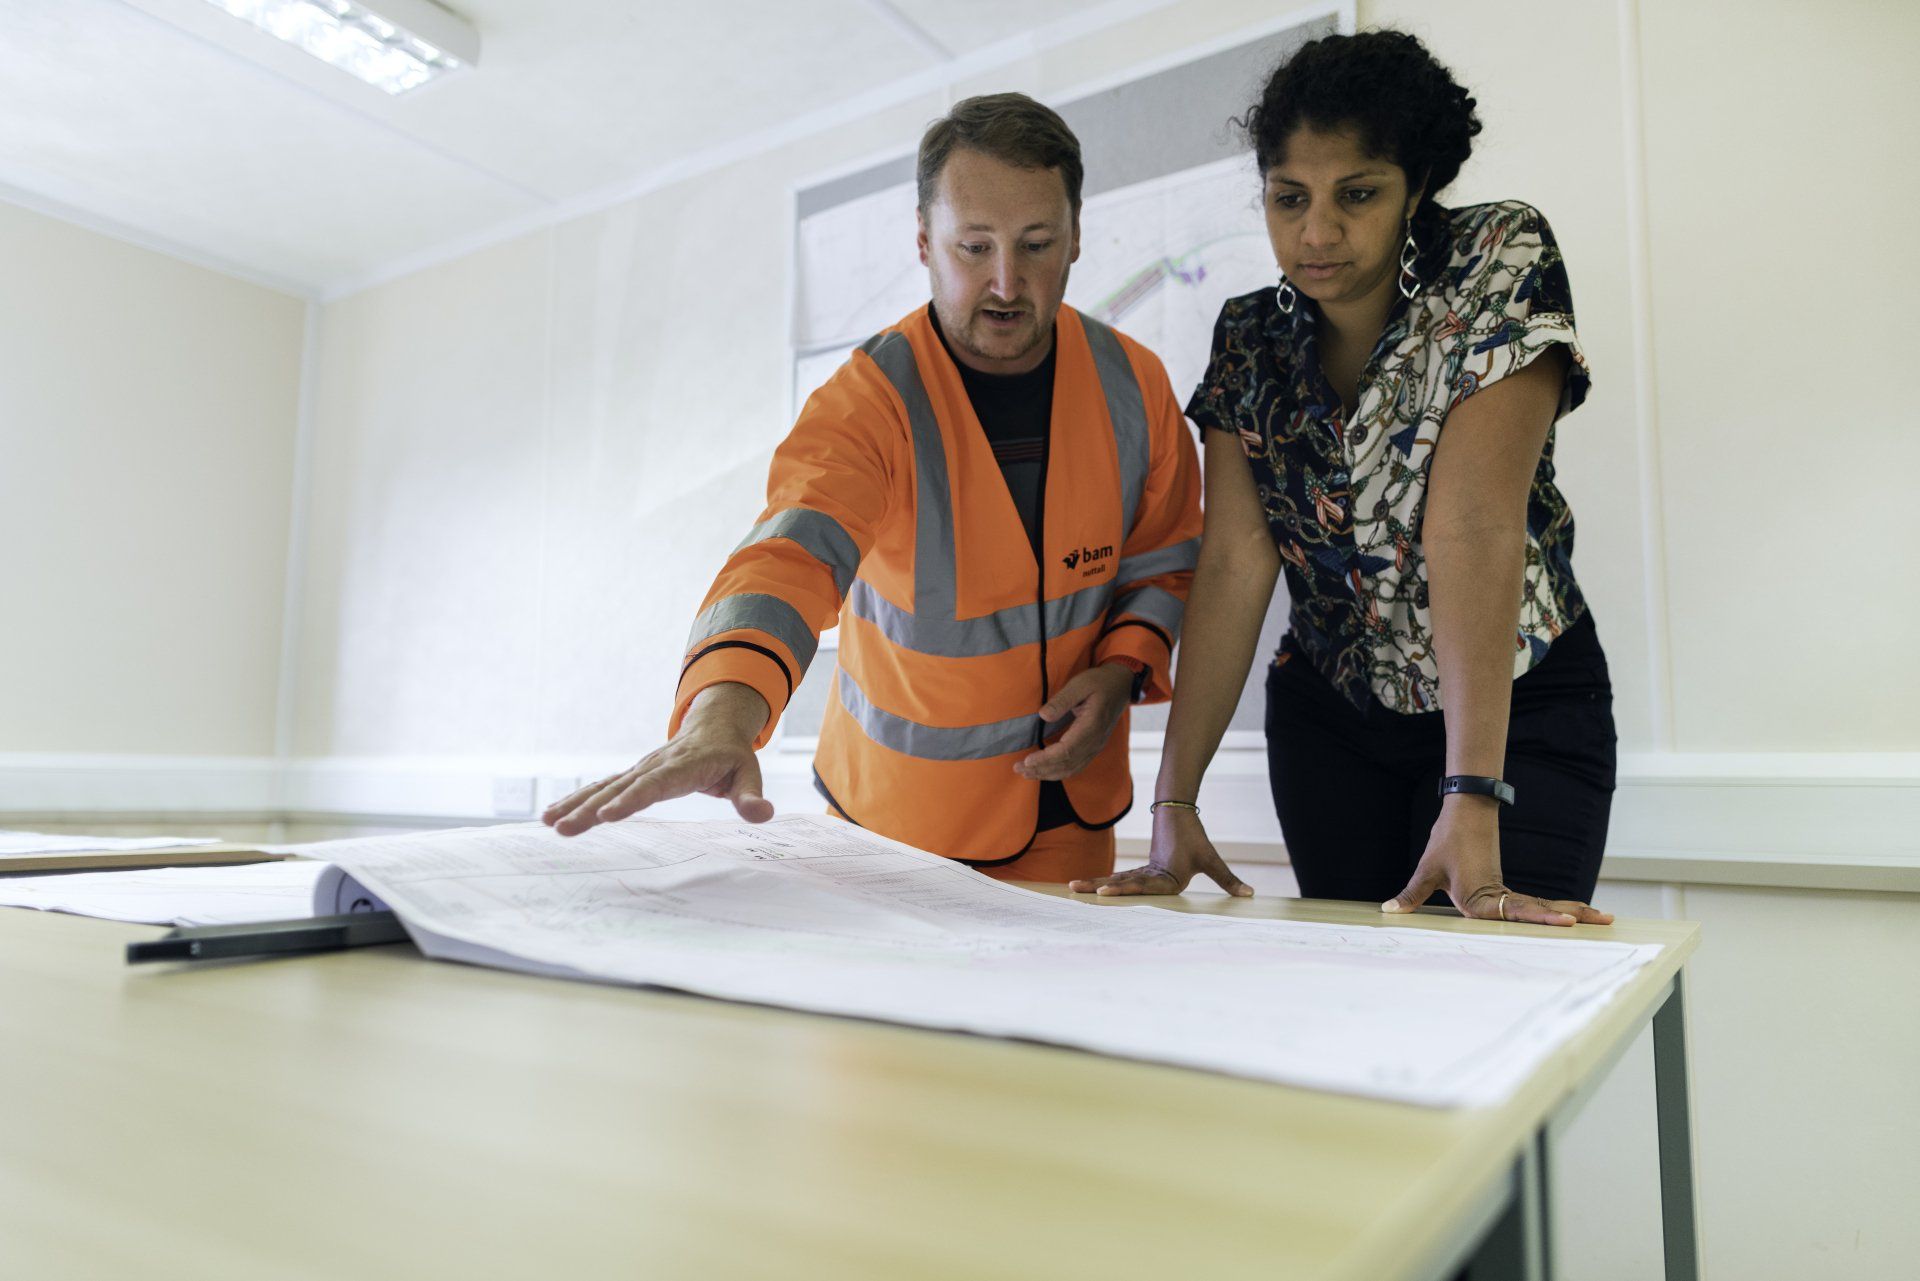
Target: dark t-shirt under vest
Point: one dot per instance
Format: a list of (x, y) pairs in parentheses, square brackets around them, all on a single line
[(1015, 412)]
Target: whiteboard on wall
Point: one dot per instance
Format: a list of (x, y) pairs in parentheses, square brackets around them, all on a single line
[(1170, 228)]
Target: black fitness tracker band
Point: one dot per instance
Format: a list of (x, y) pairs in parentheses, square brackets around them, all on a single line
[(1476, 785)]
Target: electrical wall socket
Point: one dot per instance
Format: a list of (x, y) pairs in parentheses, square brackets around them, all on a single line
[(513, 796)]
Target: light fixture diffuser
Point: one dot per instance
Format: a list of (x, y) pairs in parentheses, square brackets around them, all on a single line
[(403, 45)]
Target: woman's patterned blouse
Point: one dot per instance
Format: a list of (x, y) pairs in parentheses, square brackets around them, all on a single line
[(1344, 497)]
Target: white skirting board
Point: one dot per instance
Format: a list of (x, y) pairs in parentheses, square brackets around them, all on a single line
[(1728, 813), (1841, 821), (51, 785)]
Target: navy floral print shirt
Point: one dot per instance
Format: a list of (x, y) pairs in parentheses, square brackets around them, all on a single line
[(1343, 495)]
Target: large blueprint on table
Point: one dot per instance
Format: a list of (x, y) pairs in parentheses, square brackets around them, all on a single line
[(815, 914)]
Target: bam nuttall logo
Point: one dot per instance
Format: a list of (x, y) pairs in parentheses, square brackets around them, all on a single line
[(1088, 556)]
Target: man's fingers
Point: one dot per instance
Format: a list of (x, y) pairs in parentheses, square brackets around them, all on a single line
[(1080, 739), (586, 813), (1070, 699), (1050, 761), (1418, 891), (1063, 757), (745, 793), (678, 769), (753, 807), (1059, 705), (573, 800), (566, 804), (1057, 767), (648, 787)]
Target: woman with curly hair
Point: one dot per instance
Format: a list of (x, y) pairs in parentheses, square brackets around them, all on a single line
[(1379, 424)]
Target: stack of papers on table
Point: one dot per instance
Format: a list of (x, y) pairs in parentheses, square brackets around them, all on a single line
[(48, 852), (20, 844), (277, 891)]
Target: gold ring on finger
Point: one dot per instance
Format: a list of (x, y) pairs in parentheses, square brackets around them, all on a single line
[(1503, 904)]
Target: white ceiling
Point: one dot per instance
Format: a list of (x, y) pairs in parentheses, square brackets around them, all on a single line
[(172, 124)]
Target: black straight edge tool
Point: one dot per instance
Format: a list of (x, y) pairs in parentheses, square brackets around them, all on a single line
[(270, 938)]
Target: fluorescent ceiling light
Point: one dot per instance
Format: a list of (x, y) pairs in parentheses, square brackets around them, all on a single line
[(405, 44)]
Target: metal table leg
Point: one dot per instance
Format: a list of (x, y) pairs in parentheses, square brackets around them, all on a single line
[(1678, 1221), (1515, 1247), (1517, 1244)]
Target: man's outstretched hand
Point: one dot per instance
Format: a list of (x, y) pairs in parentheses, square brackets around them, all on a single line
[(712, 753)]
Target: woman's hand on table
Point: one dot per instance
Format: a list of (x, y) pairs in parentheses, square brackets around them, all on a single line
[(1180, 852), (1463, 858)]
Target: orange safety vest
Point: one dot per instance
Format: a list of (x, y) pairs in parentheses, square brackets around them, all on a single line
[(887, 513)]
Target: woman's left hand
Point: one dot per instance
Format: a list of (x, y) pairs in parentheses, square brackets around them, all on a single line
[(1463, 858)]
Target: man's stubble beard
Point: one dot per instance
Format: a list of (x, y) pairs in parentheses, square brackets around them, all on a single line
[(965, 340), (962, 336)]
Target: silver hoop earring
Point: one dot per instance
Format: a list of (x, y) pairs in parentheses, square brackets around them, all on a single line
[(1409, 255), (1287, 296)]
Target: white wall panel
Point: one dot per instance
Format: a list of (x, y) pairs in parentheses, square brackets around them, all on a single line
[(429, 472), (146, 438), (1805, 1016), (1783, 248)]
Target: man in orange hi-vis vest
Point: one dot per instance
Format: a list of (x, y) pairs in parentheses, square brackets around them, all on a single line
[(998, 502)]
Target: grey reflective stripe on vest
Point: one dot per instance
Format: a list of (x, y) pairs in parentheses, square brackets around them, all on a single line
[(932, 626), (933, 576), (818, 534), (1082, 609), (931, 742), (1157, 605), (1128, 409), (934, 587), (1163, 560), (762, 613), (993, 633)]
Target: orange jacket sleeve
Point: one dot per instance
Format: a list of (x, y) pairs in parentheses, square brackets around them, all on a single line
[(830, 485)]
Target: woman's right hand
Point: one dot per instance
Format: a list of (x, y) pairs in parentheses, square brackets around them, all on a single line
[(1180, 851)]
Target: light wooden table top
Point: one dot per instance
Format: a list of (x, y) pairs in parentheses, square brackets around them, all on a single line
[(371, 1114)]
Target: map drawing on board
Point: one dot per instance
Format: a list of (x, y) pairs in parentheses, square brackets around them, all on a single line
[(1158, 259)]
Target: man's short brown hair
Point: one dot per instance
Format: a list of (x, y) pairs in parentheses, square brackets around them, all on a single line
[(1007, 126)]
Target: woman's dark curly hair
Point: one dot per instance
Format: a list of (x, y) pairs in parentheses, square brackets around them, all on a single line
[(1406, 107)]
